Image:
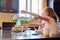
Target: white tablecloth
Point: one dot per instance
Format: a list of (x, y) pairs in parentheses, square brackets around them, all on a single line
[(27, 36)]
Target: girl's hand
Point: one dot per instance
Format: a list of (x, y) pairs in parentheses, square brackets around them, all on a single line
[(23, 11), (39, 31)]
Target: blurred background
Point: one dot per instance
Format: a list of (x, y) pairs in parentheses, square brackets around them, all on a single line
[(9, 8)]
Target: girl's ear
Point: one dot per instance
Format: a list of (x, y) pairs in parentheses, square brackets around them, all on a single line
[(48, 13)]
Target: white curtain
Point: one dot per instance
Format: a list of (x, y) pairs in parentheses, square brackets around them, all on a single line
[(34, 6)]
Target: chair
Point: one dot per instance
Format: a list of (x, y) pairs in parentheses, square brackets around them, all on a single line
[(7, 25)]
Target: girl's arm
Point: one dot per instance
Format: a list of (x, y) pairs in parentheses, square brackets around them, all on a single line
[(33, 14), (36, 15)]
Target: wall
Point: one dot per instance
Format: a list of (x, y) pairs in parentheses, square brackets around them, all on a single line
[(44, 3), (6, 17), (56, 0), (57, 7)]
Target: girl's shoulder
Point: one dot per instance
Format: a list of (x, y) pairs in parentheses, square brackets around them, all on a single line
[(51, 19)]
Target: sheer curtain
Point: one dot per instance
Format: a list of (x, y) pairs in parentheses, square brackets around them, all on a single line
[(34, 6)]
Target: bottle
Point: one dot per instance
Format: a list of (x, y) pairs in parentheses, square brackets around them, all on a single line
[(18, 21)]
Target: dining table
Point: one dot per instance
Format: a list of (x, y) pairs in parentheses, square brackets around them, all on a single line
[(29, 34), (26, 35)]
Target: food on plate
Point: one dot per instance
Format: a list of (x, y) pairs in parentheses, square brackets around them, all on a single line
[(19, 28), (16, 28)]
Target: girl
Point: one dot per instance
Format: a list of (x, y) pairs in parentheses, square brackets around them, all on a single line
[(49, 19)]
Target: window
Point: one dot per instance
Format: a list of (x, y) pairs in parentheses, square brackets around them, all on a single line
[(51, 3), (2, 4), (30, 6)]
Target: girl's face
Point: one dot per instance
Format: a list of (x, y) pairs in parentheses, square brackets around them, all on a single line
[(45, 14)]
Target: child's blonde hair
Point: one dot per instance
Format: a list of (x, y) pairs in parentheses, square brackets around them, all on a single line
[(51, 13)]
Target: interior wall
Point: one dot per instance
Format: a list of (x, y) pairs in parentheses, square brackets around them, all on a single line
[(6, 17), (57, 7), (56, 0), (44, 3)]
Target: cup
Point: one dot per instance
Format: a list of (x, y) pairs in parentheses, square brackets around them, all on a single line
[(46, 32)]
